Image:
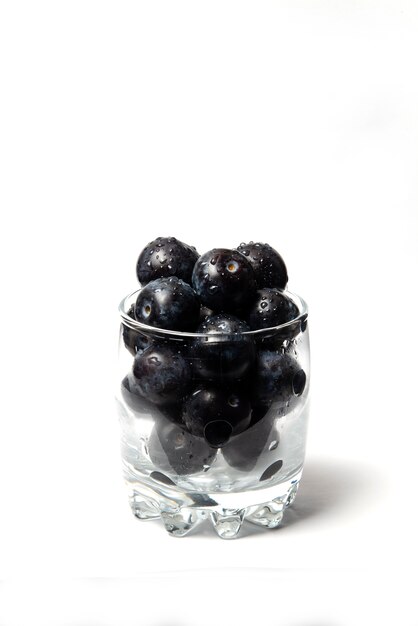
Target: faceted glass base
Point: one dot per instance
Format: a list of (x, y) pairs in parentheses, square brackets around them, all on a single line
[(183, 512)]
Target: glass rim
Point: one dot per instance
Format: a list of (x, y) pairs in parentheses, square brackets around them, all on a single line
[(145, 328)]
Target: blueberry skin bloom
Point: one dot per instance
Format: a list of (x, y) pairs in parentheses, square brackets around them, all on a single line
[(278, 378), (166, 256), (168, 303), (269, 267), (161, 375), (224, 353), (224, 280), (271, 307), (216, 413)]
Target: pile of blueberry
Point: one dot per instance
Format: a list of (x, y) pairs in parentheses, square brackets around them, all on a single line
[(219, 384)]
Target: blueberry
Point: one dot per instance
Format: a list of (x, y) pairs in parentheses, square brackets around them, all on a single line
[(161, 374), (173, 449), (134, 341), (225, 353), (166, 256), (269, 267), (216, 413), (224, 280), (168, 303), (243, 452), (271, 307), (277, 378)]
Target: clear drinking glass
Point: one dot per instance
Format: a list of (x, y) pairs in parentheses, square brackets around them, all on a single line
[(222, 474)]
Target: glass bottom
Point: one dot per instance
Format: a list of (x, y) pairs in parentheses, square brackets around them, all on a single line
[(182, 512)]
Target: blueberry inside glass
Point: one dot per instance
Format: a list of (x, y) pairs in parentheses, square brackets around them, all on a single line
[(214, 379)]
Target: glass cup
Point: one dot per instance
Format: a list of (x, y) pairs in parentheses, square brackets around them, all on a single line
[(227, 442)]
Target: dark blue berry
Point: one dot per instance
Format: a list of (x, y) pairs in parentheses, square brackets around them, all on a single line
[(269, 267), (168, 303), (277, 378), (173, 449), (161, 375), (271, 307), (166, 256), (243, 452), (224, 353), (224, 280), (216, 413)]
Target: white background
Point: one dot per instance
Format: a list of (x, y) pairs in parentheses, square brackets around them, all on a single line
[(217, 122)]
